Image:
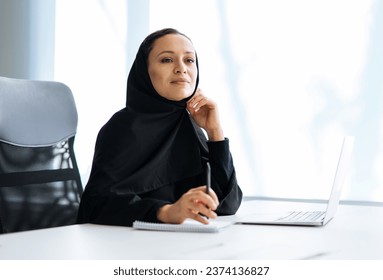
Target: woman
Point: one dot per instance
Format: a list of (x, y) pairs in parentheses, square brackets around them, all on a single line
[(150, 157)]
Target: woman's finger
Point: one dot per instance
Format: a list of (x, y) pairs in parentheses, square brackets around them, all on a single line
[(212, 193), (198, 102), (199, 218)]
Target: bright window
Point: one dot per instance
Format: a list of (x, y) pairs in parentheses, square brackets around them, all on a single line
[(290, 77)]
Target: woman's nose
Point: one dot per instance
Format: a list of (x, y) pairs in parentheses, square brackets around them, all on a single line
[(180, 68)]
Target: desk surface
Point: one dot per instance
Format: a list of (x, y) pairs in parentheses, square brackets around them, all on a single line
[(356, 232)]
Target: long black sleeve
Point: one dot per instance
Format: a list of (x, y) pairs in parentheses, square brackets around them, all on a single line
[(224, 180), (114, 209)]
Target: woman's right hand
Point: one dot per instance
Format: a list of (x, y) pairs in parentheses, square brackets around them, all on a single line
[(195, 204)]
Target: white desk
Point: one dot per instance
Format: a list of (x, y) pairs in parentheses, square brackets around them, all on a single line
[(355, 233)]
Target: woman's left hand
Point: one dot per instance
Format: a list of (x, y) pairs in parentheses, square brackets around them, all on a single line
[(204, 112)]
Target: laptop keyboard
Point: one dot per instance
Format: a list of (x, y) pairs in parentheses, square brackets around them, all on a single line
[(303, 216)]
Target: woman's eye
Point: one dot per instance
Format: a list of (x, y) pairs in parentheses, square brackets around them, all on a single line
[(190, 60), (166, 60)]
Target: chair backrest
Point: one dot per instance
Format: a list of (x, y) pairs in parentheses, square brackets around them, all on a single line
[(40, 184)]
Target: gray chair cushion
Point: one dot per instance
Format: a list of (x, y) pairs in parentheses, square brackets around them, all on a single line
[(30, 114)]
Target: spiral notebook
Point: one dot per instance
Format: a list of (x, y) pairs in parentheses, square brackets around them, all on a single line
[(187, 226)]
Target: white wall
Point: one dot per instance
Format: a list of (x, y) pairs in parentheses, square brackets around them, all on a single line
[(27, 36)]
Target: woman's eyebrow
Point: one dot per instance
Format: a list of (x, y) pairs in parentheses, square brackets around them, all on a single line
[(172, 52)]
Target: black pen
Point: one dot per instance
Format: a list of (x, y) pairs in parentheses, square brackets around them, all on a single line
[(208, 177)]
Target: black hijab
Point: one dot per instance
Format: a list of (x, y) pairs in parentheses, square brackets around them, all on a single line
[(149, 144)]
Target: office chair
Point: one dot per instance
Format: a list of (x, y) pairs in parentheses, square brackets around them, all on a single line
[(40, 185)]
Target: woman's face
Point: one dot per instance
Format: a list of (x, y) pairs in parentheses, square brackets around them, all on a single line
[(172, 67)]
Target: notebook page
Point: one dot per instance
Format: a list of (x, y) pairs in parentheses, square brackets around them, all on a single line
[(187, 226)]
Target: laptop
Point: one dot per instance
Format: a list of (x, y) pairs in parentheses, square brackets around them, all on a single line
[(311, 218)]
